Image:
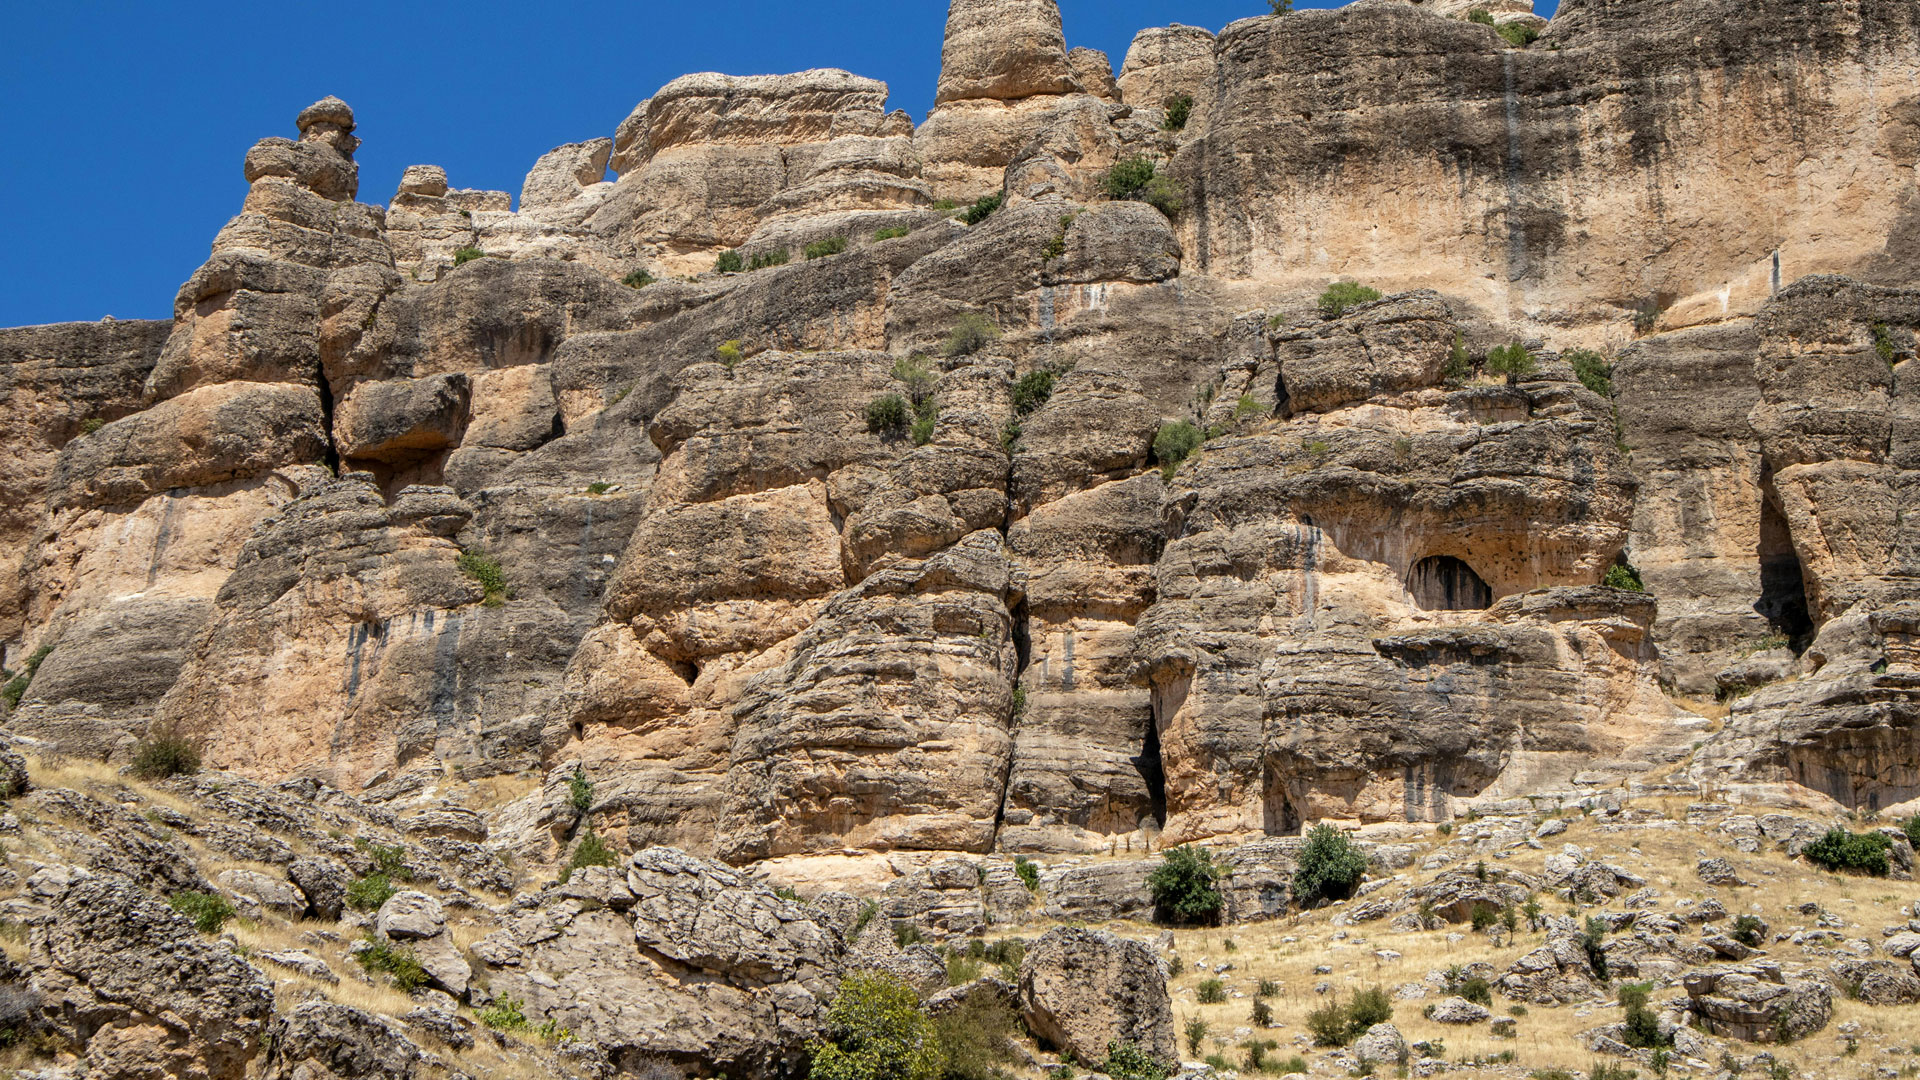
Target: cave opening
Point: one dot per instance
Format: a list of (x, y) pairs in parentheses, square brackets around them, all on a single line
[(1444, 583), (1153, 773), (1783, 586)]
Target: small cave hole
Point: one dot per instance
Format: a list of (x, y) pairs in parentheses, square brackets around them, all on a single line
[(1783, 589), (1444, 583), (688, 671), (1153, 773)]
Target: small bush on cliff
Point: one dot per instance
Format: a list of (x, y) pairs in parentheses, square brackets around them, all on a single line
[(1642, 1026), (1512, 361), (639, 279), (1033, 390), (972, 333), (1344, 295), (591, 851), (1592, 370), (1175, 443), (1329, 867), (893, 233), (1129, 177), (1748, 931), (1179, 111), (729, 262), (1594, 943), (1028, 871), (92, 424), (208, 911), (823, 248), (368, 893), (580, 790), (1883, 343), (485, 570), (976, 1039), (465, 255), (1518, 35), (876, 1030), (397, 962), (1843, 850), (926, 416), (163, 754), (1337, 1024), (1282, 7), (1183, 885), (887, 415), (507, 1014), (16, 687), (982, 208), (1622, 576)]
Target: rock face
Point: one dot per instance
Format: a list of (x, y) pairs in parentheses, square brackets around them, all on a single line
[(1082, 990), (1758, 1003)]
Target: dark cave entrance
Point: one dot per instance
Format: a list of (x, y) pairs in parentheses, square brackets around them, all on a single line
[(1783, 589), (1152, 772), (1444, 583)]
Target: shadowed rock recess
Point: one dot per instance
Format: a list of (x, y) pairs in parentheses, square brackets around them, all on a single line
[(787, 538)]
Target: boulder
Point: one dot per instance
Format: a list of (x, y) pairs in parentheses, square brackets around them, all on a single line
[(1382, 1044), (1081, 990), (409, 915), (321, 1040), (274, 894), (1003, 50), (324, 882), (1719, 872), (1758, 1003), (1455, 1010), (1878, 982)]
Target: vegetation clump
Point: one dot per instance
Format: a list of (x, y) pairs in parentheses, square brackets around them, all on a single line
[(1179, 110), (1183, 885), (1839, 849), (729, 262), (1337, 1023), (208, 911), (887, 415), (1593, 942), (397, 962), (368, 893), (1883, 343), (975, 1037), (774, 257), (580, 790), (591, 851), (1176, 442), (820, 249), (485, 570), (465, 255), (876, 1030), (1459, 365), (1137, 179), (1342, 296), (893, 233), (163, 754), (1028, 871), (1283, 7), (1033, 390), (730, 353), (638, 279), (1125, 1061), (16, 687), (1592, 370), (506, 1014), (1748, 930), (982, 208), (1513, 361), (1329, 867), (1622, 576), (970, 334), (1642, 1026)]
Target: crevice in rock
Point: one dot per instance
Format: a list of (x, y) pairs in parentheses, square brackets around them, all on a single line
[(1281, 819), (1022, 638), (1153, 772), (332, 459), (1783, 592)]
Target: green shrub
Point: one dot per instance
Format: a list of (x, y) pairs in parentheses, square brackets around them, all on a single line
[(485, 570), (970, 334), (1593, 941), (506, 1014), (1261, 1015), (1196, 1035), (894, 233), (1518, 35), (1370, 1006), (397, 962), (1605, 1070), (1032, 391), (1125, 1061), (1481, 16), (1748, 930), (1471, 987), (876, 1030), (1328, 867), (1883, 343), (1642, 1027), (16, 687), (1266, 988), (599, 487), (961, 968), (91, 424), (391, 861), (465, 255), (591, 851), (1592, 370), (1622, 576), (1210, 992), (729, 262), (925, 421), (1483, 915), (1179, 110), (368, 893), (1183, 885), (1843, 850), (639, 279), (823, 248), (765, 259), (1459, 366), (1283, 7), (1165, 196), (1337, 1024), (580, 790), (906, 933), (975, 1037), (1512, 361), (1129, 177), (209, 911), (1257, 1050), (887, 414), (1028, 871), (982, 208), (1175, 442), (1247, 406), (162, 754), (918, 378), (730, 353), (1296, 1063), (1344, 295)]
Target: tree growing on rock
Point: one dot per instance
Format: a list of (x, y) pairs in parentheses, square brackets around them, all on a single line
[(876, 1030), (1329, 867), (1183, 885)]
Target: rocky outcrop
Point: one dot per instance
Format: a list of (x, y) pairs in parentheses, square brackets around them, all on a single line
[(1085, 990), (1758, 1003)]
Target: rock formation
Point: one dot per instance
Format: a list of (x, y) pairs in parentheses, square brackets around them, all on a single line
[(829, 502)]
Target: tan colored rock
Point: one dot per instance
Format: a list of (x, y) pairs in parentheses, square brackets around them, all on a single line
[(563, 173), (1083, 990), (1164, 61), (1003, 50)]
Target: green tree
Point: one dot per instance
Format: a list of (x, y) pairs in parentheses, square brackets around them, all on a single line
[(1281, 7), (1183, 885), (1329, 867), (1842, 850), (1512, 361), (876, 1030)]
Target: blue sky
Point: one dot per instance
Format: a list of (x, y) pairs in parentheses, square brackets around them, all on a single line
[(125, 122)]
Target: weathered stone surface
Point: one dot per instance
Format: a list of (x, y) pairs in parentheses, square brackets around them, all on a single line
[(1083, 989), (1757, 1003), (321, 1040), (1003, 50)]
